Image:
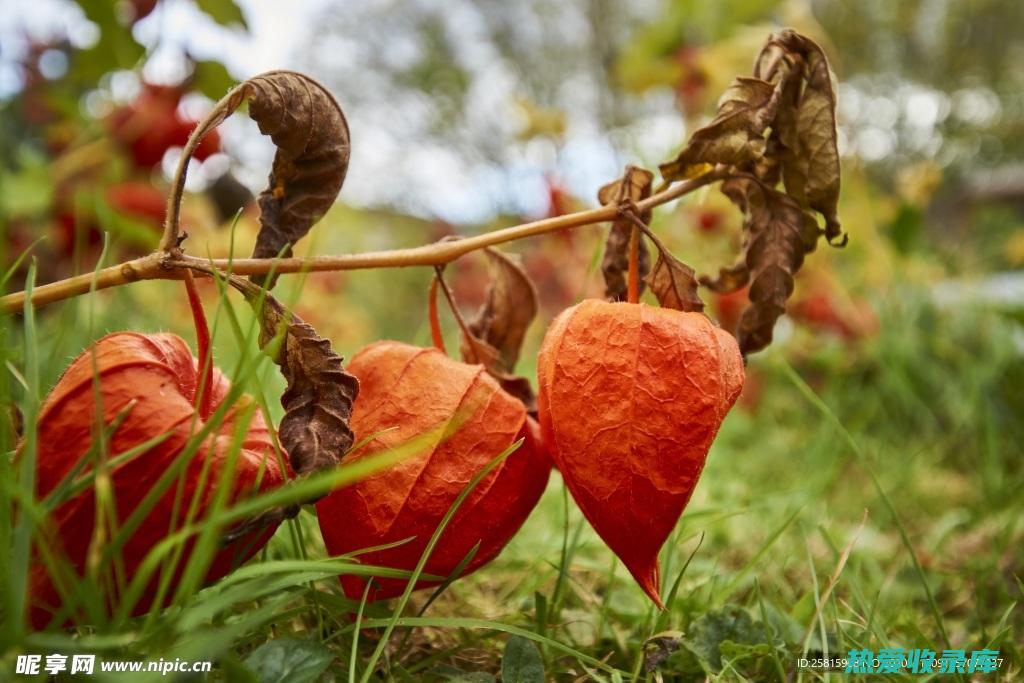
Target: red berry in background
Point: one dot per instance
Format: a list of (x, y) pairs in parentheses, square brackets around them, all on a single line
[(139, 200), (709, 220), (410, 392), (559, 200), (74, 229), (140, 9), (729, 307), (151, 125), (691, 88), (822, 311), (753, 390), (152, 381)]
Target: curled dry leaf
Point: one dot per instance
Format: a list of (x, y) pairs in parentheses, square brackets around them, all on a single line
[(633, 186), (311, 134), (805, 124), (735, 136), (778, 234), (674, 284), (499, 326), (730, 278)]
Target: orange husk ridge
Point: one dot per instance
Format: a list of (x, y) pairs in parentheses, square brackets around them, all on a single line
[(630, 399), (411, 391)]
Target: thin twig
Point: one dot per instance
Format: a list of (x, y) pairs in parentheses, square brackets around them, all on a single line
[(162, 266), (227, 104), (470, 337)]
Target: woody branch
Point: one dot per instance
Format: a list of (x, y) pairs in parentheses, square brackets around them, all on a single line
[(168, 265)]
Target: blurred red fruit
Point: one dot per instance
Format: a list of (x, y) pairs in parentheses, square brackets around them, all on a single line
[(71, 230), (709, 220), (753, 388), (691, 87), (138, 200), (729, 307), (821, 311), (151, 125), (559, 200), (140, 9)]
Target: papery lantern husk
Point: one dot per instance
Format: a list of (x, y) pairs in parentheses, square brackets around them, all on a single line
[(630, 399), (410, 392), (150, 381)]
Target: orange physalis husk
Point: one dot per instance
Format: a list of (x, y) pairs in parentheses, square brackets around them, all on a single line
[(149, 382), (631, 397), (409, 392)]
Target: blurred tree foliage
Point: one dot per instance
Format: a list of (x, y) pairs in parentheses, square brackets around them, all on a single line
[(85, 135), (948, 72), (968, 51)]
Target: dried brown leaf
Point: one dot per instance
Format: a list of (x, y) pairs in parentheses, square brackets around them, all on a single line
[(674, 284), (634, 185), (499, 326), (659, 647), (501, 322), (308, 127), (311, 134), (735, 136), (805, 124), (778, 234), (318, 399)]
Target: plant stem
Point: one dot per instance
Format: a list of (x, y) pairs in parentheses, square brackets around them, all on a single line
[(470, 339), (220, 111), (435, 320), (633, 284), (205, 389), (163, 266)]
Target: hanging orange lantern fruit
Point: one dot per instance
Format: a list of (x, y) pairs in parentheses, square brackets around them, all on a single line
[(631, 397), (146, 386), (406, 392)]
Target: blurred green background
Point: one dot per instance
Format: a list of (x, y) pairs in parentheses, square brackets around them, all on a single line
[(899, 361)]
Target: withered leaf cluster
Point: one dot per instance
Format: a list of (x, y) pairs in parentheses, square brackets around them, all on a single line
[(672, 282), (497, 329), (776, 128)]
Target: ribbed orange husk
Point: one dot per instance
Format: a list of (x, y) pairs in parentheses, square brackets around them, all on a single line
[(412, 392), (159, 374), (630, 400)]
